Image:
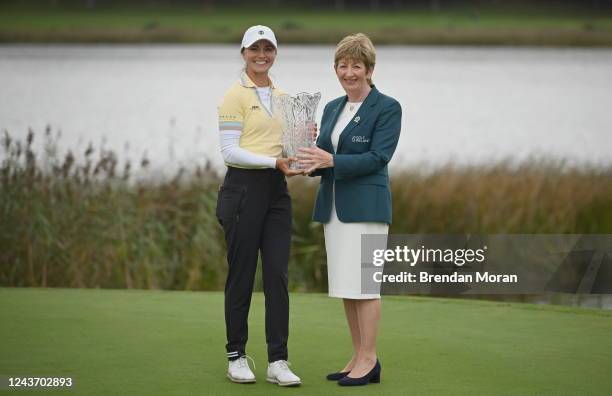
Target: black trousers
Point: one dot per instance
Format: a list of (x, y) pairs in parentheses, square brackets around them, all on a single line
[(254, 209)]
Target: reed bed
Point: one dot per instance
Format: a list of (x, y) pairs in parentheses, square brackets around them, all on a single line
[(91, 220)]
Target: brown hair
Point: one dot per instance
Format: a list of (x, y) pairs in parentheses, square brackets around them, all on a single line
[(357, 47)]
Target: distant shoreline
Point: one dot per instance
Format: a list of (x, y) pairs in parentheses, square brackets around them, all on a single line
[(457, 27), (536, 38)]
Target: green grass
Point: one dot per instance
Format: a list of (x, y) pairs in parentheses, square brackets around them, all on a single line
[(172, 343), (315, 19), (91, 221), (459, 26)]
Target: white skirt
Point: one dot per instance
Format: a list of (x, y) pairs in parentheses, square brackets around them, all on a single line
[(343, 246)]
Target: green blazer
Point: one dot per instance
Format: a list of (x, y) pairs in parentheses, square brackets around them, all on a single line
[(360, 173)]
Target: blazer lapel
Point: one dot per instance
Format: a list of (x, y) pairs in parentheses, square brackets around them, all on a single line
[(369, 101)]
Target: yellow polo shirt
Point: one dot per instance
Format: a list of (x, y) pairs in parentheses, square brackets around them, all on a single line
[(242, 110)]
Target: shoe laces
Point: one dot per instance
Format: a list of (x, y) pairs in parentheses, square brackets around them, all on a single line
[(282, 364), (243, 362)]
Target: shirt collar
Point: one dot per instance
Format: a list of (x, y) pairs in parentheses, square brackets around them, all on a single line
[(246, 82)]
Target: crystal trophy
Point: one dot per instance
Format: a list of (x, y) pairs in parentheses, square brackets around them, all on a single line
[(297, 117)]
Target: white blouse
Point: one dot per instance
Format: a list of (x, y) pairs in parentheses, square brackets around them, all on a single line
[(346, 116)]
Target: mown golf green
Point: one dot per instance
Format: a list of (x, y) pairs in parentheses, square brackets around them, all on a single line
[(115, 342)]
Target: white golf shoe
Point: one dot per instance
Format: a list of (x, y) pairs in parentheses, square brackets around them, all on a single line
[(280, 373), (239, 371)]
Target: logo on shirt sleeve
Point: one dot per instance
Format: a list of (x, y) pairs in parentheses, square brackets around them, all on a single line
[(228, 117)]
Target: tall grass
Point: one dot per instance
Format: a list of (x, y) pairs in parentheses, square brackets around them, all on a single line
[(85, 220), (86, 224), (536, 196)]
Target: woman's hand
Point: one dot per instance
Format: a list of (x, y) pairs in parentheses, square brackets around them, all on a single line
[(314, 158), (282, 164)]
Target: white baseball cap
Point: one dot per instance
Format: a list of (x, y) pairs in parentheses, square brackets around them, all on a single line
[(256, 33)]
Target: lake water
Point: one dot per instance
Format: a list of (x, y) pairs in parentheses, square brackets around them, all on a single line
[(463, 105)]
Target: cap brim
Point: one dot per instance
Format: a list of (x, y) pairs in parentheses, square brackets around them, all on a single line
[(256, 40)]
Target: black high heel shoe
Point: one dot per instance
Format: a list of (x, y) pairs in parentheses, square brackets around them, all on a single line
[(337, 376), (372, 377)]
